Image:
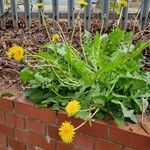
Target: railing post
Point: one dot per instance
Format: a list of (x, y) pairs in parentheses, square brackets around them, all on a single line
[(27, 13), (144, 14), (55, 10), (2, 19), (105, 12), (87, 15), (14, 13), (70, 12), (124, 18)]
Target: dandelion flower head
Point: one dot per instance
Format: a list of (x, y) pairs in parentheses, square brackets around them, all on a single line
[(39, 4), (55, 38), (73, 107), (67, 132), (16, 52), (82, 3)]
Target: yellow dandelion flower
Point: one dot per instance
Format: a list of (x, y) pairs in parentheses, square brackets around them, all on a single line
[(123, 3), (55, 38), (83, 3), (67, 132), (73, 107), (39, 4), (16, 52)]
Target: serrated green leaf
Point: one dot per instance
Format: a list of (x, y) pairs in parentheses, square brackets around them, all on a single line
[(61, 51), (37, 95), (46, 55), (49, 100), (127, 113), (26, 74), (39, 78), (49, 46), (133, 118), (82, 114)]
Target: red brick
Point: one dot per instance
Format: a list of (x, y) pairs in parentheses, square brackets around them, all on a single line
[(98, 128), (129, 139), (10, 119), (2, 141), (38, 140), (6, 130), (15, 120), (6, 104), (81, 142), (21, 135), (13, 144), (42, 114), (20, 121), (34, 139), (34, 148), (35, 125), (105, 145), (63, 146), (30, 148), (2, 117), (53, 132), (2, 148), (128, 148)]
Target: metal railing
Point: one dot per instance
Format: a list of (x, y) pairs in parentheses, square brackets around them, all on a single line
[(105, 13)]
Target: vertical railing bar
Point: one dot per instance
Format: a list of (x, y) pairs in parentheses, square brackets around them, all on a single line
[(87, 15), (2, 19), (114, 13), (71, 10), (124, 18), (27, 13), (14, 13), (144, 14), (105, 11), (55, 10)]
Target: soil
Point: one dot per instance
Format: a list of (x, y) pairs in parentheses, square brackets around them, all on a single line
[(138, 128), (32, 38)]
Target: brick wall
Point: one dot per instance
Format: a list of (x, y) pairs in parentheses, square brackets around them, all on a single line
[(26, 127)]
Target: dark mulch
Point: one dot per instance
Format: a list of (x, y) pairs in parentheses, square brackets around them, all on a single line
[(32, 38)]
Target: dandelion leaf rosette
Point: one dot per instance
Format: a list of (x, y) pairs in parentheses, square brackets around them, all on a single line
[(107, 74)]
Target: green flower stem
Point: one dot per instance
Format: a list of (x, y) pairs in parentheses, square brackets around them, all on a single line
[(40, 57), (87, 119), (121, 11), (82, 47), (75, 51), (102, 27), (89, 109), (49, 65), (80, 125), (95, 112), (69, 70), (63, 80), (61, 30), (59, 94), (112, 88), (44, 23), (76, 23), (54, 65)]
